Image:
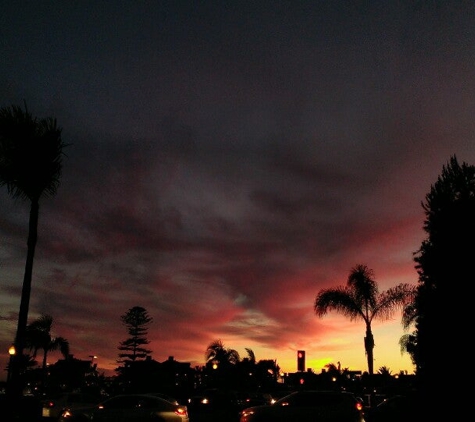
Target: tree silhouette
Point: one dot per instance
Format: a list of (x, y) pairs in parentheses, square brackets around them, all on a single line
[(444, 263), (31, 152), (408, 344), (221, 355), (38, 337), (408, 341), (136, 320), (361, 299), (335, 369), (267, 372), (385, 371), (251, 357), (222, 365)]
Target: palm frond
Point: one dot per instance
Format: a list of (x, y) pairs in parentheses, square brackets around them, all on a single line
[(393, 300), (339, 299), (361, 282), (31, 153), (251, 355)]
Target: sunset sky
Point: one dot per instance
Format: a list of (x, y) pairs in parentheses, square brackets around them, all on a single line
[(227, 160)]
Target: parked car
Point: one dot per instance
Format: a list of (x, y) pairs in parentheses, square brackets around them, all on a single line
[(53, 405), (324, 406), (166, 397), (275, 395), (400, 407), (129, 408), (214, 404), (248, 399)]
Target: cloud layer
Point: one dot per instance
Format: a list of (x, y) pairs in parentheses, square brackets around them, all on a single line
[(228, 162)]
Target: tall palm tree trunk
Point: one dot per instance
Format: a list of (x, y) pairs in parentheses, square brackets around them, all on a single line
[(369, 346), (44, 369), (25, 293)]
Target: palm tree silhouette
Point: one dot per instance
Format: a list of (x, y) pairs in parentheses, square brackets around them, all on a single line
[(223, 356), (31, 152), (384, 371), (251, 356), (334, 368), (361, 299), (38, 337)]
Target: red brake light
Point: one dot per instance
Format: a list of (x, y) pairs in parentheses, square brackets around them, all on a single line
[(181, 411)]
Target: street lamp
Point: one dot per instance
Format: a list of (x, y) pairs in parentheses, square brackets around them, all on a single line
[(11, 383), (12, 353)]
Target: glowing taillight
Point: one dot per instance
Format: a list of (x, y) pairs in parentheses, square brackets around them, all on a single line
[(181, 411), (359, 406)]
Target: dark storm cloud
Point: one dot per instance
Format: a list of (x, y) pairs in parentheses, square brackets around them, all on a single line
[(227, 160)]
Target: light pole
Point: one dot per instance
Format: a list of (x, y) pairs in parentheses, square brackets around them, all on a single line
[(11, 383), (12, 353)]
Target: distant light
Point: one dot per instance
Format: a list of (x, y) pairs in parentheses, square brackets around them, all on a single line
[(12, 350), (66, 414)]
